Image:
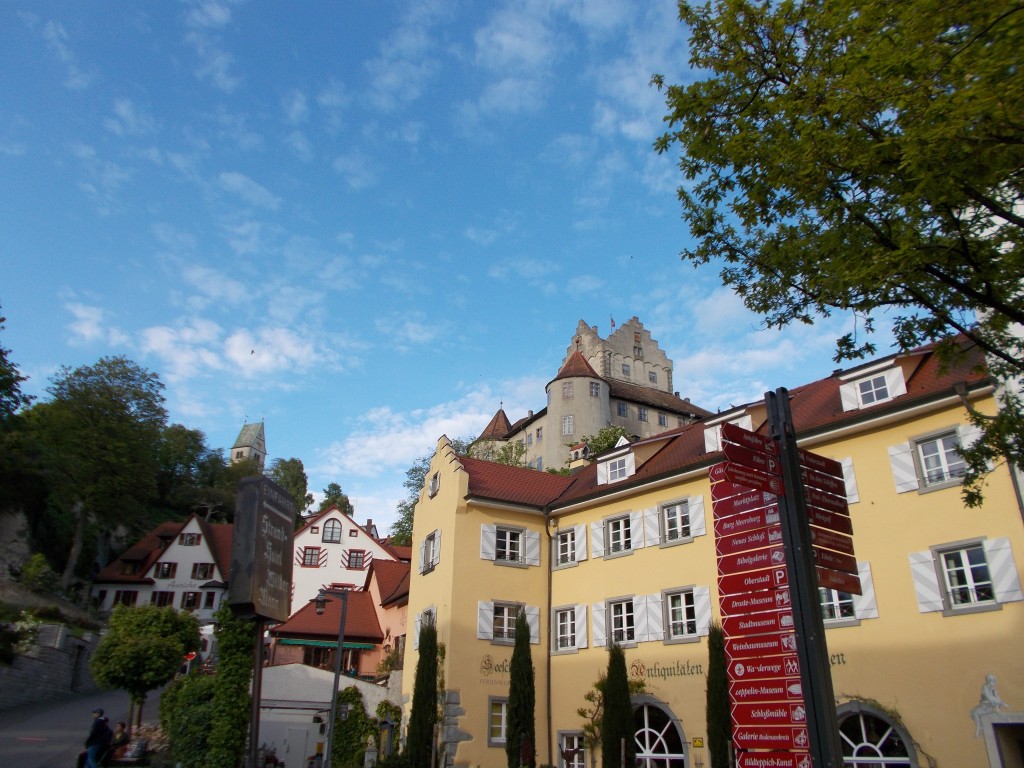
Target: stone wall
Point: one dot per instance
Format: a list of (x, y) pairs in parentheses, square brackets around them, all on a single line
[(56, 667)]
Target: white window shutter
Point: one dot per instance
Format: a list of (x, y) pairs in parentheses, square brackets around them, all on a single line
[(533, 619), (695, 509), (581, 542), (581, 626), (712, 439), (597, 538), (630, 464), (848, 396), (865, 606), (652, 529), (1003, 570), (602, 473), (488, 541), (745, 422), (636, 530), (894, 382), (641, 630), (597, 618), (850, 479), (485, 620), (904, 473), (968, 435), (702, 609), (655, 623), (532, 547), (423, 556), (926, 582), (437, 550), (416, 630)]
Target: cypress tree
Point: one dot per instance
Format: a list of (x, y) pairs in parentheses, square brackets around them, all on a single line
[(717, 707), (617, 721), (420, 739), (520, 734)]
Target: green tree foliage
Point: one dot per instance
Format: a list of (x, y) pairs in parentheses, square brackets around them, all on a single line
[(186, 716), (189, 473), (227, 484), (617, 727), (334, 496), (520, 736), (290, 474), (605, 438), (419, 742), (866, 159), (231, 697), (37, 574), (512, 453), (143, 648), (718, 720), (99, 435), (415, 478), (11, 397), (593, 713)]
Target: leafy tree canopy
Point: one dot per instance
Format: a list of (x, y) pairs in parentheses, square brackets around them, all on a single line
[(605, 438), (415, 478), (867, 159), (11, 397), (334, 496), (290, 474), (511, 453)]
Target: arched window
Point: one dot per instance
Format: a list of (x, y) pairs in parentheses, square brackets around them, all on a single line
[(872, 738), (332, 532), (659, 739)]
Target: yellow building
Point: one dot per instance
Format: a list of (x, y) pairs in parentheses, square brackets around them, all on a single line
[(624, 551)]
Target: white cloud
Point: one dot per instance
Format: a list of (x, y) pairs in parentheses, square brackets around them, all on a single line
[(401, 71), (405, 330), (356, 170), (213, 62), (214, 285), (128, 120), (515, 40), (250, 191), (90, 326), (56, 38), (296, 108), (270, 351), (186, 350), (300, 144)]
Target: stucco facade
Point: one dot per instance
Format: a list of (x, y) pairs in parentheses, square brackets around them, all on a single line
[(625, 550)]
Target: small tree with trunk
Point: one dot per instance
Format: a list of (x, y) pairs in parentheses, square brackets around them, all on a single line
[(520, 737), (717, 707), (618, 743), (419, 742)]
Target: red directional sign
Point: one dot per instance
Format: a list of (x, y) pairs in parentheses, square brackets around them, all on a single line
[(822, 537), (832, 503), (783, 689), (744, 542), (740, 503), (795, 759), (837, 561), (747, 521), (757, 646), (822, 481), (758, 623), (765, 578), (737, 434), (820, 463), (785, 737), (753, 602), (752, 459), (831, 520), (843, 582), (784, 713), (748, 561), (769, 668), (751, 478)]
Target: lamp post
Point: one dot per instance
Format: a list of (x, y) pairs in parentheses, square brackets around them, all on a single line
[(321, 601)]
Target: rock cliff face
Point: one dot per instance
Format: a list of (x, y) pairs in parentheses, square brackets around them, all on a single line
[(14, 549)]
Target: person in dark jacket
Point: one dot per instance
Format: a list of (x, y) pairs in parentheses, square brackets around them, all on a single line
[(98, 739)]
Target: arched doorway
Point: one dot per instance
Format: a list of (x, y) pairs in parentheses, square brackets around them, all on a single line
[(872, 739), (659, 739)]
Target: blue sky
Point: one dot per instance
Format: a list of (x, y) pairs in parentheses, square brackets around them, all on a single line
[(366, 223)]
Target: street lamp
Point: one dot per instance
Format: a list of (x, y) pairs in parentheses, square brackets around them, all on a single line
[(320, 602)]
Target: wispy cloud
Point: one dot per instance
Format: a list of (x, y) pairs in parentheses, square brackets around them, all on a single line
[(248, 190), (214, 64), (356, 169), (77, 78), (407, 59), (89, 326), (129, 120)]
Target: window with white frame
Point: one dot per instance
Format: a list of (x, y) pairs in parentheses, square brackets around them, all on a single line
[(567, 389), (617, 469), (572, 750), (641, 413), (426, 617), (496, 621), (435, 484), (356, 559), (966, 576), (565, 546), (567, 425), (836, 605), (529, 438), (311, 557), (595, 389), (332, 532), (621, 627), (675, 522), (662, 420), (508, 545), (873, 390), (430, 552), (869, 387), (497, 721), (939, 459), (565, 628), (618, 535), (680, 615), (621, 409), (503, 624)]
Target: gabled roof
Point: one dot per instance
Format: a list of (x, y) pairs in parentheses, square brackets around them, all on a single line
[(575, 366), (392, 580), (142, 555), (360, 620), (400, 551), (219, 537), (516, 485), (247, 437), (497, 427)]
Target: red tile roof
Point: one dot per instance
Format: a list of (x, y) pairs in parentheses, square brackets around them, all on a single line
[(654, 397), (513, 484), (390, 579), (140, 555), (497, 427), (576, 365), (360, 620)]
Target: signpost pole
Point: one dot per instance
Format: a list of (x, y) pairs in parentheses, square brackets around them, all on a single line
[(257, 692), (815, 673)]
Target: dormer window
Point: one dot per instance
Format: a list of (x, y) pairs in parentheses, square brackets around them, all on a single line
[(713, 434), (867, 388), (617, 466)]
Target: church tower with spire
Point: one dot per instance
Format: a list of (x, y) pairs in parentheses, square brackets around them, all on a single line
[(251, 444)]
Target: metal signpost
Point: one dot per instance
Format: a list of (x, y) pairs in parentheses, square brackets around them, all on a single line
[(770, 563)]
